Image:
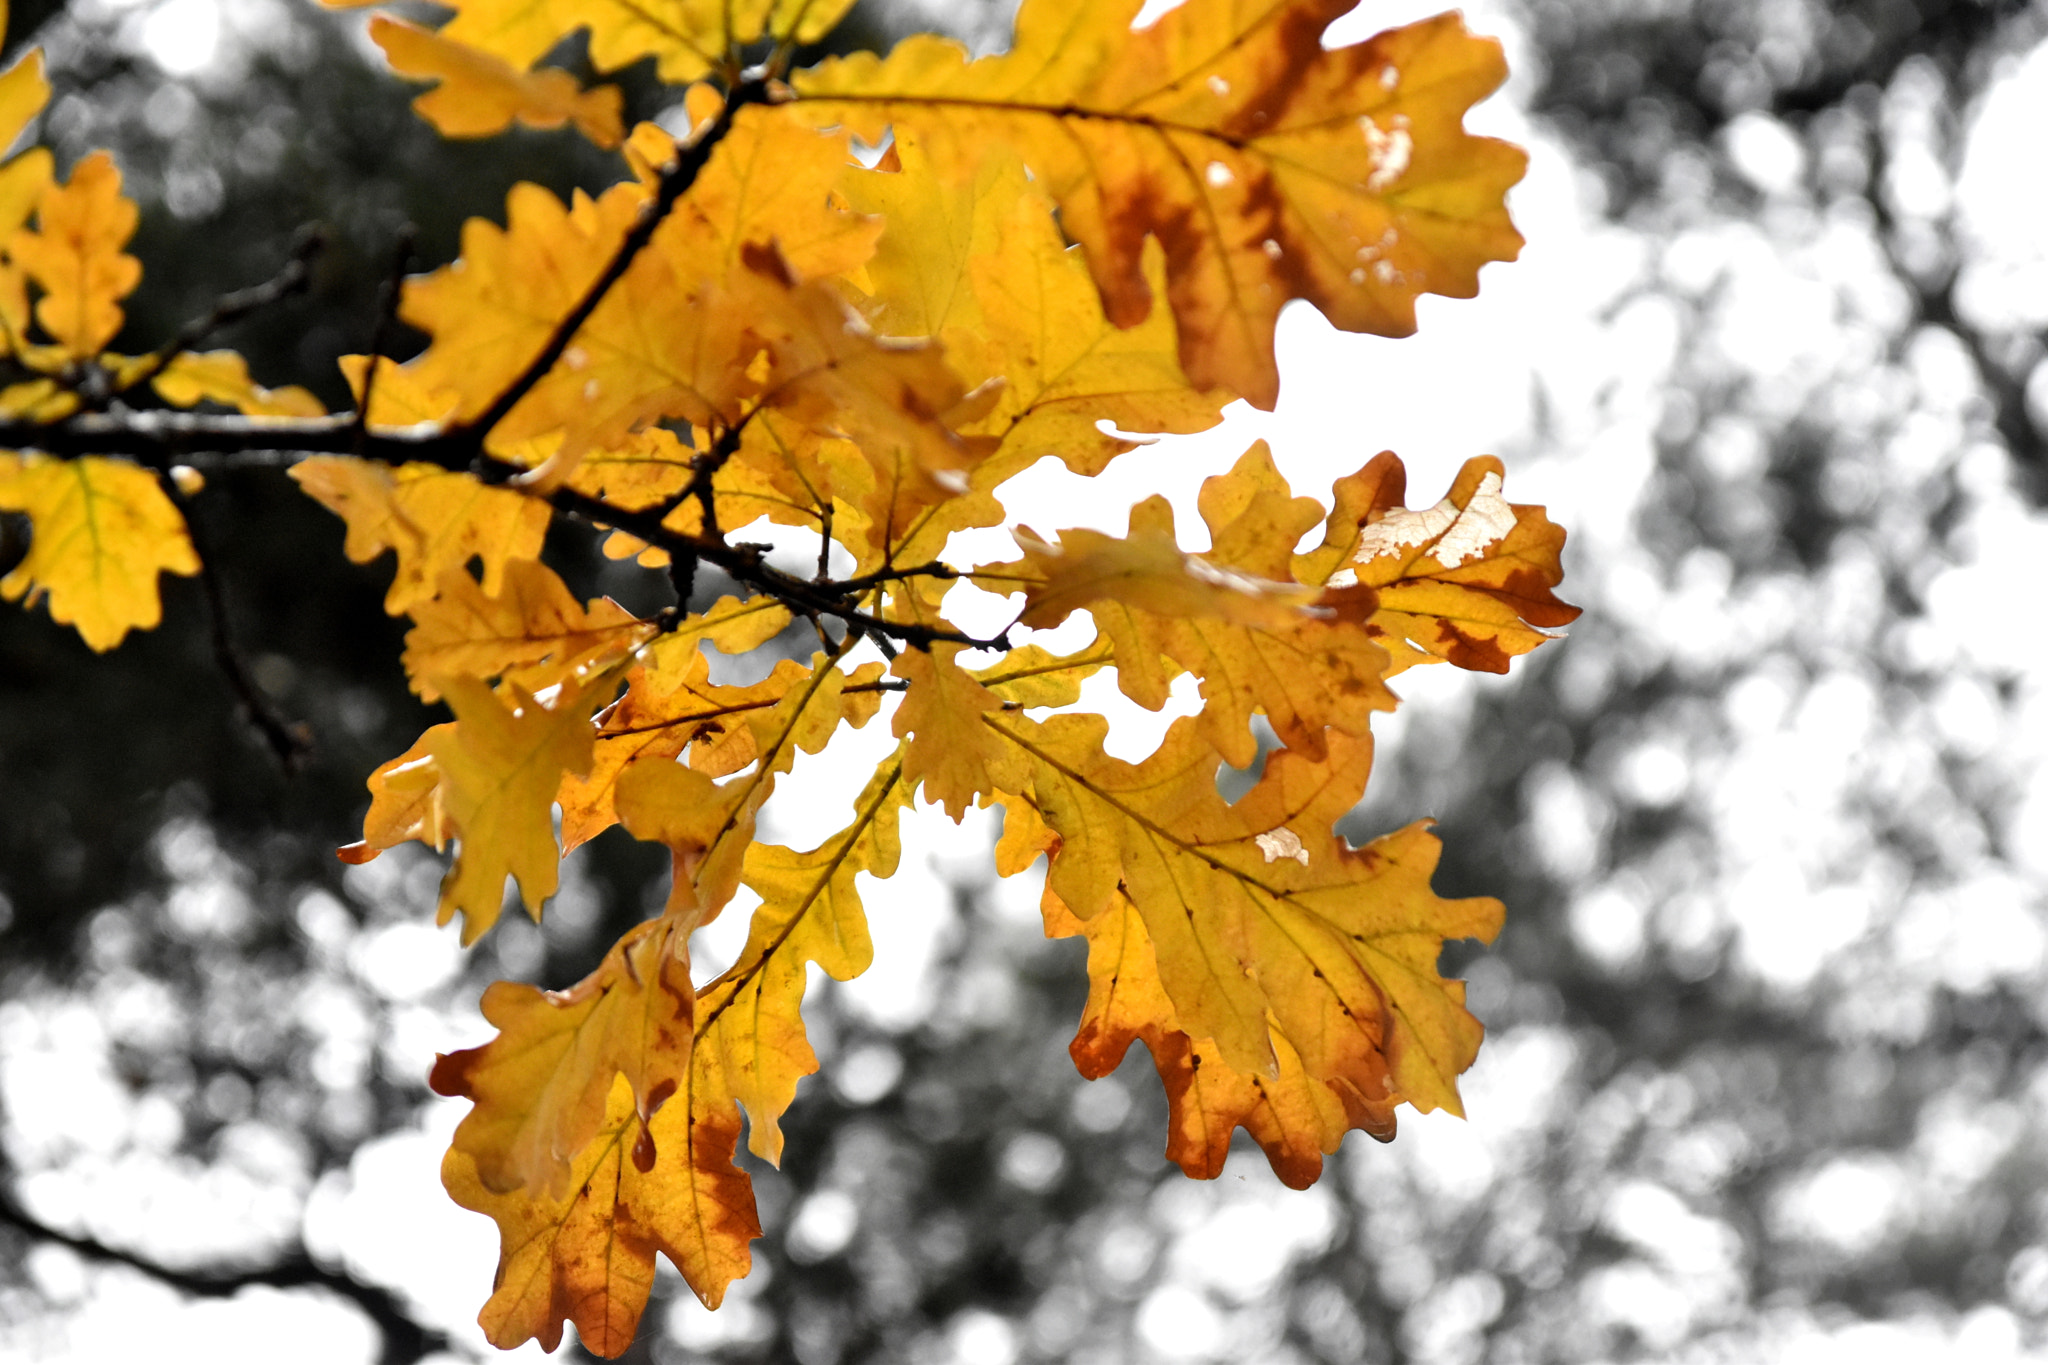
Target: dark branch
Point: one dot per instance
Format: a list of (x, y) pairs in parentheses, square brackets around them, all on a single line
[(674, 184), (405, 1338), (387, 314), (230, 308), (290, 743)]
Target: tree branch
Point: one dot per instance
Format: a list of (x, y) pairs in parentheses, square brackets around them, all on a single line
[(405, 1338)]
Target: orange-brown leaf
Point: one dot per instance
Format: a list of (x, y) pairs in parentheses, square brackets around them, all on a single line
[(1268, 166), (532, 631)]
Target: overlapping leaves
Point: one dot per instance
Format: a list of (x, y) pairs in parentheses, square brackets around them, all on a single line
[(757, 323)]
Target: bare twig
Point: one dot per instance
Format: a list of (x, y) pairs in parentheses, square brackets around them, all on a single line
[(388, 296), (674, 183), (289, 741), (296, 274)]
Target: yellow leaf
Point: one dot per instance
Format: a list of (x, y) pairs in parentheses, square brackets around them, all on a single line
[(1269, 167), (500, 767), (102, 530), (810, 912), (951, 754), (1263, 921), (1235, 616), (539, 1087), (24, 90), (1468, 580), (1297, 1120), (223, 377), (587, 1255), (405, 802), (481, 94), (708, 827), (532, 631), (984, 270), (434, 519), (688, 39), (74, 255)]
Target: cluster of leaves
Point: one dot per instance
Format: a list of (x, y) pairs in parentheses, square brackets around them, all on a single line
[(765, 320)]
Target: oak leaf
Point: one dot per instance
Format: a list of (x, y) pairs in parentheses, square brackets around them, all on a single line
[(24, 90), (480, 94), (1258, 910), (1268, 166), (74, 256), (1469, 580), (1297, 1120), (532, 631), (191, 377), (587, 1255), (434, 519), (539, 1088), (688, 39), (102, 532)]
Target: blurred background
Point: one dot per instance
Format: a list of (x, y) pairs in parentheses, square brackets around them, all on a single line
[(1767, 1070)]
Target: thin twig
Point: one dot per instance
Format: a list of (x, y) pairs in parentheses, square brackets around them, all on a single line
[(290, 742), (675, 182), (388, 295), (291, 279)]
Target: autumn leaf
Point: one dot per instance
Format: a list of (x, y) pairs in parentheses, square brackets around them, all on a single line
[(532, 632), (480, 94), (707, 827), (74, 256), (587, 1255), (1469, 580), (1258, 910), (191, 377), (102, 532), (1268, 166), (24, 90), (1297, 1120), (405, 802), (434, 519), (499, 768), (539, 1088), (951, 755), (688, 39), (1235, 616), (810, 912)]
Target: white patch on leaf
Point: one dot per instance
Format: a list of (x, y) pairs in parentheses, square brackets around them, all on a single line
[(1281, 843), (1459, 535)]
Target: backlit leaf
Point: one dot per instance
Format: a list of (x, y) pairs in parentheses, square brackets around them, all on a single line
[(74, 255), (1268, 166), (480, 94), (102, 532)]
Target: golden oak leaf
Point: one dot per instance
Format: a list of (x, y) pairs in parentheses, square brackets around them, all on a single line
[(494, 309), (532, 631), (434, 520), (1468, 580), (102, 532), (23, 92), (810, 912), (708, 827), (951, 754), (587, 1255), (223, 377), (987, 273), (688, 39), (1257, 909), (671, 706), (500, 767), (480, 94), (1268, 166), (1235, 616), (74, 255), (1296, 1119), (405, 802), (539, 1088)]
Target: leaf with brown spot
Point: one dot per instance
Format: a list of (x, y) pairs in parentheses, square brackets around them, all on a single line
[(1268, 166)]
